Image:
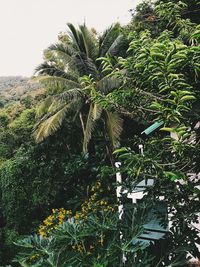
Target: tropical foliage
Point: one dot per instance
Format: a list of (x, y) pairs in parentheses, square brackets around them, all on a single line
[(58, 202), (69, 61)]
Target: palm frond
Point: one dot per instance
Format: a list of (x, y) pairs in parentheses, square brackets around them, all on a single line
[(74, 35), (45, 69), (94, 114), (44, 106), (90, 42), (85, 65), (51, 104), (62, 49), (88, 128), (107, 38), (62, 54), (74, 97), (51, 125), (82, 44), (55, 106), (70, 95), (97, 111), (114, 127), (108, 84), (118, 45), (57, 83)]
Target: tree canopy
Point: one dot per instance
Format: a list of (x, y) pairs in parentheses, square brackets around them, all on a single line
[(58, 202)]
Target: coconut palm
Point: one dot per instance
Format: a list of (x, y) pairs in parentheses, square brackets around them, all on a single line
[(73, 57), (79, 49)]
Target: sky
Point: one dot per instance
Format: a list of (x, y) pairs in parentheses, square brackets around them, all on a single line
[(27, 27)]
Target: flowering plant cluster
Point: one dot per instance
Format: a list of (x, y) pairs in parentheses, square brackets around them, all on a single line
[(57, 217), (86, 232), (94, 204)]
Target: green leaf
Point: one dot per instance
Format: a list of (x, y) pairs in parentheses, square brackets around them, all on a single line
[(120, 150), (167, 129), (188, 97), (171, 175)]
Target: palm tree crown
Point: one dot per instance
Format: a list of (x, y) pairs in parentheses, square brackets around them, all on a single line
[(74, 76)]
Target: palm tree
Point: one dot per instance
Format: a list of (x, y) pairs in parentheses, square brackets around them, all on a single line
[(73, 57), (79, 49)]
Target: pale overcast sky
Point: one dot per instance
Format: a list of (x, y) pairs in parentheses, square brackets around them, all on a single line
[(27, 27)]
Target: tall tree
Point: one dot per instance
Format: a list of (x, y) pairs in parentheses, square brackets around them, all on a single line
[(77, 55)]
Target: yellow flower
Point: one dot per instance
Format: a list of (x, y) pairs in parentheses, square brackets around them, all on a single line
[(42, 233), (68, 212), (77, 216), (35, 256)]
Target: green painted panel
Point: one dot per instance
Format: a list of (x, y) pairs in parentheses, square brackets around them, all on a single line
[(157, 226), (153, 127)]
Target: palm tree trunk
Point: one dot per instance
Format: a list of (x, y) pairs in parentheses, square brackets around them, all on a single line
[(82, 123)]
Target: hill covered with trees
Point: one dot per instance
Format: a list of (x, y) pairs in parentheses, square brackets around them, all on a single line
[(58, 202), (16, 88)]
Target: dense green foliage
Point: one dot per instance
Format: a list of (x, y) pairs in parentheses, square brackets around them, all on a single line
[(101, 93)]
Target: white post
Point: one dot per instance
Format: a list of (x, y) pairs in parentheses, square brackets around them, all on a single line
[(119, 189), (119, 195), (141, 149)]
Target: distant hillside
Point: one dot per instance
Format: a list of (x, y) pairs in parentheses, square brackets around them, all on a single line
[(15, 88)]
